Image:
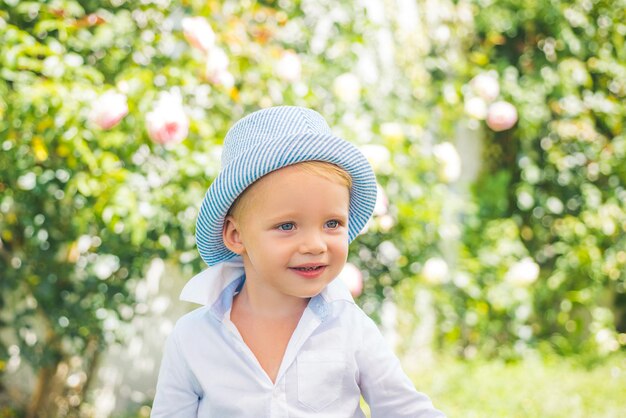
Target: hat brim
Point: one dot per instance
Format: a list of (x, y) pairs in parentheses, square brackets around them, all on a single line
[(281, 152)]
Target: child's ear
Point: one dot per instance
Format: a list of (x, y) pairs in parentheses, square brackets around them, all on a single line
[(232, 236)]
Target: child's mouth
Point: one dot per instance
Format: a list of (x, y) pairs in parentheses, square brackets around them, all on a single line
[(308, 268), (309, 272)]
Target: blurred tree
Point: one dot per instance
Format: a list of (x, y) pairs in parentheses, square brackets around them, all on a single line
[(554, 187), (84, 207)]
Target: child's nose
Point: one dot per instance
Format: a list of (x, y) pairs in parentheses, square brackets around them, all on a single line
[(313, 243)]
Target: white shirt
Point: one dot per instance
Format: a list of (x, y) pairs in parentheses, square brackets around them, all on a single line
[(335, 355)]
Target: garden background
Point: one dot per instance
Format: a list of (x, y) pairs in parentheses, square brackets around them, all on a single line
[(496, 259)]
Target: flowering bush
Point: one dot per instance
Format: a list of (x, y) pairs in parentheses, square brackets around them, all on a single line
[(544, 239)]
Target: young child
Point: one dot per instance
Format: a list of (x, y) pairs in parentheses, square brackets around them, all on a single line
[(277, 335)]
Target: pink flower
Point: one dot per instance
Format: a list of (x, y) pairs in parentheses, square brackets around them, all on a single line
[(167, 124), (486, 86), (223, 78), (109, 109), (216, 70), (352, 278), (501, 116), (198, 33)]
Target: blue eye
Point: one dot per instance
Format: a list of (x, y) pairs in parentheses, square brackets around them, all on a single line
[(332, 224), (286, 227)]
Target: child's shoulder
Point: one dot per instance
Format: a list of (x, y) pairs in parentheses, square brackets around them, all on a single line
[(352, 316), (192, 321)]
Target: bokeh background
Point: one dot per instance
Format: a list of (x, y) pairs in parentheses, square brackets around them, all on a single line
[(495, 263)]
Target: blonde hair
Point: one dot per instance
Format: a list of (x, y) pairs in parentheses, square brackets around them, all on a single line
[(323, 169)]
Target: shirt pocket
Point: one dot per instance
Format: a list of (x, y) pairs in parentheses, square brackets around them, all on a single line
[(320, 377)]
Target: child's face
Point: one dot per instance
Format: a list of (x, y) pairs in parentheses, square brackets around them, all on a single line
[(294, 219)]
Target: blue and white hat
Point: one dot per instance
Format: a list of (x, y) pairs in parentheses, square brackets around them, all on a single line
[(268, 140)]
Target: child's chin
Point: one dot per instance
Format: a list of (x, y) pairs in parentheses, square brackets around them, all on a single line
[(310, 293)]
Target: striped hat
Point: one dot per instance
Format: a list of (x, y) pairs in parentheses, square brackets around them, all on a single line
[(268, 140)]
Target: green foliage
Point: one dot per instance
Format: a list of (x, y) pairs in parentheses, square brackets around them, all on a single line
[(558, 176)]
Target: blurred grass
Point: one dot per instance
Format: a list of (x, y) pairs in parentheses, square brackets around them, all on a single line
[(552, 388)]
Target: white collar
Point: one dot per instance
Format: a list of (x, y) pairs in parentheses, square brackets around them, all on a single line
[(206, 287)]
